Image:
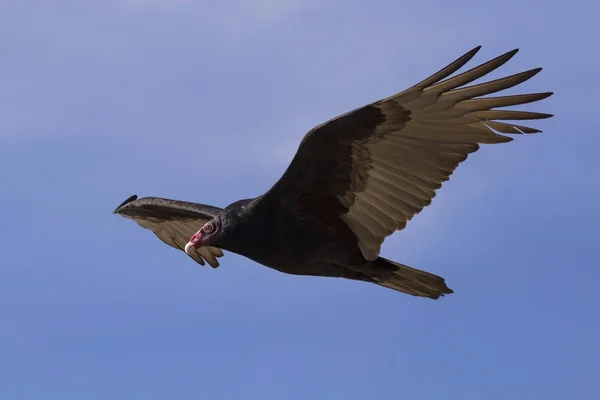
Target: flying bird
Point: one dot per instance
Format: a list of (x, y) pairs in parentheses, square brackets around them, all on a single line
[(355, 180)]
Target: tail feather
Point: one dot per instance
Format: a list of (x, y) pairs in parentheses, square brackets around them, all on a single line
[(409, 280)]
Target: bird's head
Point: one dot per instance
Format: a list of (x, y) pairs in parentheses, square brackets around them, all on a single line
[(206, 236)]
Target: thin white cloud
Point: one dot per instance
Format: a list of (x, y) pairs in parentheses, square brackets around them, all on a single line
[(156, 3), (265, 10), (271, 10)]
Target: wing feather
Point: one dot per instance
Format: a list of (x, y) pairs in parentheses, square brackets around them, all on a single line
[(173, 222), (377, 166)]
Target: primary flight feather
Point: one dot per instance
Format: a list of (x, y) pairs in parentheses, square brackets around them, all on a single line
[(355, 180)]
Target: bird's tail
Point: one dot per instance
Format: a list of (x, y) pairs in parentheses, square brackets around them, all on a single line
[(405, 279)]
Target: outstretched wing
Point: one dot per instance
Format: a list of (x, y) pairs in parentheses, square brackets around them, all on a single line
[(377, 166), (173, 221)]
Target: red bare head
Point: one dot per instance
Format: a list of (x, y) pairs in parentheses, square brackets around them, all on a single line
[(200, 238)]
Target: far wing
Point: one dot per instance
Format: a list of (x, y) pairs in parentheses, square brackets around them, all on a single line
[(173, 221), (377, 166)]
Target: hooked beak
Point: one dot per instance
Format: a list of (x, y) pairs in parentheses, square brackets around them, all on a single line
[(194, 243)]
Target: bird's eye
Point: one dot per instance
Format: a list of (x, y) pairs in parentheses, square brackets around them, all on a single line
[(209, 228)]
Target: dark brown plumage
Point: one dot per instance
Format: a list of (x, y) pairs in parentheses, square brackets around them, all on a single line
[(355, 180)]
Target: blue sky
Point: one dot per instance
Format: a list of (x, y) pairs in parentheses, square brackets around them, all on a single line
[(207, 102)]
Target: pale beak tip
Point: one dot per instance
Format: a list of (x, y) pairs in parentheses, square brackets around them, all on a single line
[(189, 248)]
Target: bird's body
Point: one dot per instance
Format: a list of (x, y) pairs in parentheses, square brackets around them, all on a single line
[(354, 180), (289, 243)]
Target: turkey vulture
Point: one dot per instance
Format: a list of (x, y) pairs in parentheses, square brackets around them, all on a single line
[(354, 180)]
